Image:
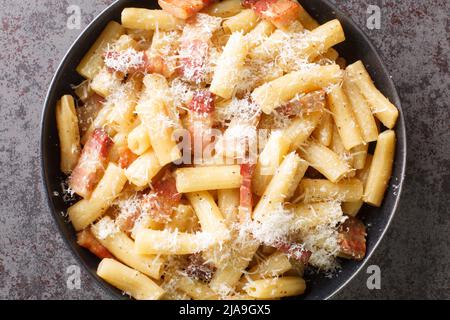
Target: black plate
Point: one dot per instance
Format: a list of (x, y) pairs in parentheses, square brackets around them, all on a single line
[(357, 46)]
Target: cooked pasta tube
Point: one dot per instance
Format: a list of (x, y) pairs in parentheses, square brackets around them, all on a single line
[(231, 61), (344, 118), (138, 140), (269, 160), (105, 82), (313, 44), (277, 92), (143, 169), (322, 38), (324, 131), (68, 132), (352, 208), (228, 274), (275, 265), (120, 143), (310, 215), (129, 280), (306, 19), (207, 178), (153, 111), (275, 288), (280, 188), (381, 107), (121, 117), (168, 243), (325, 161), (195, 289), (263, 29), (184, 219), (320, 190), (92, 62), (224, 9), (361, 110), (209, 215), (359, 156), (84, 212), (122, 247), (338, 147), (100, 121), (145, 19), (244, 21), (330, 55), (301, 128), (228, 202), (380, 169)]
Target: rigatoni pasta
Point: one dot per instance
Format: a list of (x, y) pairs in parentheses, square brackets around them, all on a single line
[(123, 104), (275, 265), (105, 82), (224, 9), (144, 19), (153, 111), (359, 156), (143, 169), (322, 38), (361, 110), (306, 19), (208, 213), (87, 211), (275, 288), (263, 29), (325, 161), (196, 289), (353, 208), (273, 94), (228, 202), (324, 131), (320, 190), (244, 21), (122, 247), (231, 61), (92, 62), (280, 189), (382, 108), (139, 140), (345, 120), (269, 160), (208, 178), (158, 242)]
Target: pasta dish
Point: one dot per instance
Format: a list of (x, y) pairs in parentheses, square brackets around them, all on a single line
[(222, 150)]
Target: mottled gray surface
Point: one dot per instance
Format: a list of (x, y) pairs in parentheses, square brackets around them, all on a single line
[(413, 41)]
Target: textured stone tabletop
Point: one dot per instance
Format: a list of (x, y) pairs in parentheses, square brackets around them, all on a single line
[(413, 40)]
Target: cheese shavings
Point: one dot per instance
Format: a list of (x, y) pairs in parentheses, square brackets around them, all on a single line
[(123, 61), (165, 44), (106, 228), (197, 56), (239, 110), (181, 92), (275, 227)]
